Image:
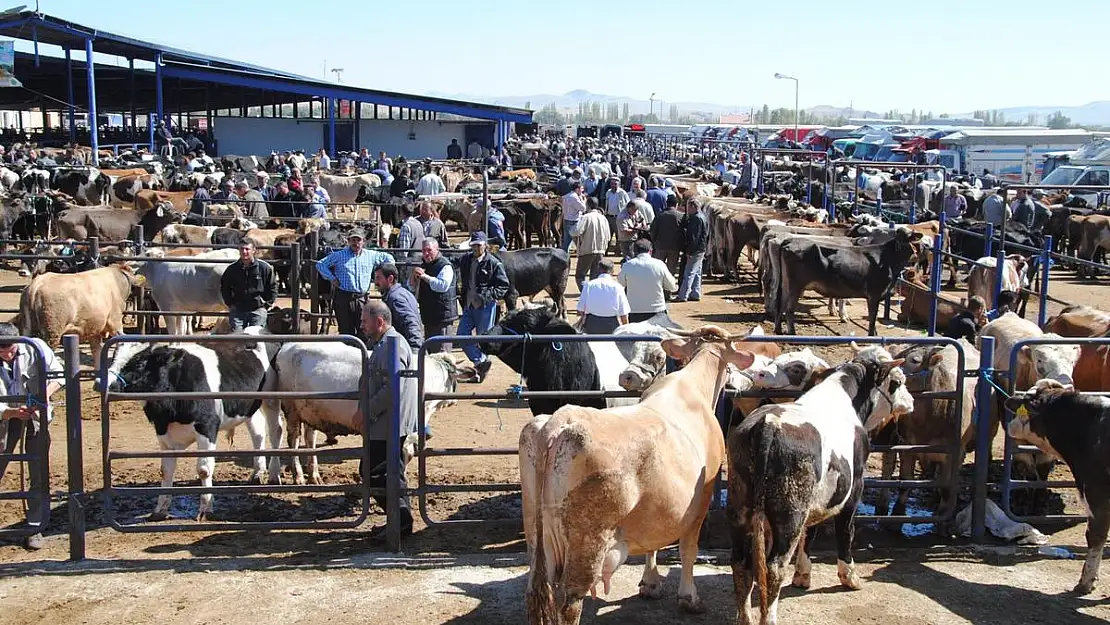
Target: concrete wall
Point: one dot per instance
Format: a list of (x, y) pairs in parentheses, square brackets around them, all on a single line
[(261, 135)]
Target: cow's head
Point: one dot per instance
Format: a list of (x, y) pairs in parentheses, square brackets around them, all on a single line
[(140, 368), (522, 321), (648, 361), (788, 371), (1031, 411), (881, 377), (684, 348), (1052, 362)]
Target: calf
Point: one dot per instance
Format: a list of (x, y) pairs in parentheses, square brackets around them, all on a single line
[(190, 367), (917, 301), (981, 279), (534, 270), (792, 466), (1076, 429), (87, 187)]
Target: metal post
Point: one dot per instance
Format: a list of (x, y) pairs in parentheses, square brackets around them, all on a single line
[(879, 205), (70, 98), (74, 447), (984, 398), (485, 198), (989, 240), (331, 127), (1046, 260), (295, 285), (938, 264), (140, 240), (158, 86), (93, 139), (393, 450), (886, 304), (131, 81), (1000, 264)]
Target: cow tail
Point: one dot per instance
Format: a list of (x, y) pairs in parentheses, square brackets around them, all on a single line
[(540, 600), (759, 516)]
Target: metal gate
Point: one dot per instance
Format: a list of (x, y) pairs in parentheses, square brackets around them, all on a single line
[(361, 395)]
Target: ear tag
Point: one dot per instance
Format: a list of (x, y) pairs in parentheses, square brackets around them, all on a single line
[(1022, 411)]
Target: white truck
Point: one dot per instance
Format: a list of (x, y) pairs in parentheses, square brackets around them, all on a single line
[(1088, 166), (1014, 155)]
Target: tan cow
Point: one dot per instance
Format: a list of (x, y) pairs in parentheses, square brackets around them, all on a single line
[(601, 485), (1079, 321), (344, 189), (148, 198), (89, 304)]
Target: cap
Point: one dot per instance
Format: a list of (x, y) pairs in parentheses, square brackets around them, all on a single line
[(357, 232), (478, 237)]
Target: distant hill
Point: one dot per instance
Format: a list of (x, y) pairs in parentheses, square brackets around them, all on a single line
[(1092, 114)]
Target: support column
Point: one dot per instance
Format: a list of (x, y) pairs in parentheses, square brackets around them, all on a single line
[(331, 127), (94, 140), (157, 87), (131, 82), (358, 126), (499, 136), (69, 97)]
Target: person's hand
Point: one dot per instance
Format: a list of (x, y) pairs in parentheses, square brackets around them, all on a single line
[(22, 413), (418, 272)]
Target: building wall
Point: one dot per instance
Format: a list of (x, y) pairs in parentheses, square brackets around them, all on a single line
[(262, 135)]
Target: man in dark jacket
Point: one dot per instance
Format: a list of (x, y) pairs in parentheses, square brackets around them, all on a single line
[(202, 196), (454, 151), (247, 286), (484, 283), (281, 205), (696, 227), (967, 324), (434, 285), (667, 236), (402, 305)]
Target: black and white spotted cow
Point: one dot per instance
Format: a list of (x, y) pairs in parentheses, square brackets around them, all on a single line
[(1076, 429), (191, 367), (793, 466)]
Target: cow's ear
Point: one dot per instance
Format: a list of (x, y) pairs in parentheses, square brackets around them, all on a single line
[(936, 359), (161, 211), (679, 349)]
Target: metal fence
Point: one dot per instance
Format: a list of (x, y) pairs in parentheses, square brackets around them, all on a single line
[(807, 155), (907, 216)]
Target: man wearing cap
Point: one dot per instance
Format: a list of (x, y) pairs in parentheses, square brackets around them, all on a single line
[(253, 204), (351, 272), (202, 197), (484, 283), (262, 186)]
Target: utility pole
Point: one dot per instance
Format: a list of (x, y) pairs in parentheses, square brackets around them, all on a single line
[(338, 71)]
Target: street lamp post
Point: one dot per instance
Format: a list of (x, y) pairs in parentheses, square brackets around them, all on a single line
[(651, 105), (785, 77)]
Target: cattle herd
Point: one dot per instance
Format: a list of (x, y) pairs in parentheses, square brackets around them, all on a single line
[(602, 479)]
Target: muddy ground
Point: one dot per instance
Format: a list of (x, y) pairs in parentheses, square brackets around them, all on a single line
[(467, 573)]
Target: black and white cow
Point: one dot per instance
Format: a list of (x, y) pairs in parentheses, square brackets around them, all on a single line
[(35, 180), (87, 187), (191, 367), (1076, 429), (793, 466)]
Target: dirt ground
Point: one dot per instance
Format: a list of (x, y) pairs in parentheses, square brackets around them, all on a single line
[(467, 573)]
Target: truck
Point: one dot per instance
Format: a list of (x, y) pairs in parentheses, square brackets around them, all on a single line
[(1085, 167), (1014, 155)]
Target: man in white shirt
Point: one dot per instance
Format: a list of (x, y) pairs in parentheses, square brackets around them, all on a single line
[(325, 160), (574, 205), (591, 238), (647, 281), (616, 199), (431, 184), (603, 302)]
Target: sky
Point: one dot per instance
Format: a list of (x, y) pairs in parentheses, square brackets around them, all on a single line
[(951, 56)]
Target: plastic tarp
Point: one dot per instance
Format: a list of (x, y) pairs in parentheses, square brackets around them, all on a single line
[(1097, 150)]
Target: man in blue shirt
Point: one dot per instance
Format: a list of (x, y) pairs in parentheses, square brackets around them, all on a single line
[(351, 272), (656, 197)]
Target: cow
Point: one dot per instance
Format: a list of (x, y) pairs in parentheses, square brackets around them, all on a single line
[(981, 279), (917, 301), (147, 198), (333, 367), (934, 368), (186, 286), (191, 367), (123, 192), (646, 360), (87, 187), (180, 233), (535, 270), (35, 180), (794, 371), (1095, 237), (1079, 321), (792, 466), (840, 270), (585, 511), (1035, 362), (88, 304), (547, 366), (344, 189), (1076, 429), (15, 208), (114, 224)]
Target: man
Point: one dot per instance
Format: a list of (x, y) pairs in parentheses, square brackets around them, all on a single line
[(564, 184), (430, 184), (350, 271), (247, 286), (746, 173), (262, 185), (202, 197), (377, 325), (495, 225), (402, 305), (574, 204), (484, 283), (630, 224), (474, 150), (591, 182), (19, 376), (995, 209), (656, 196), (955, 205), (434, 227), (696, 227), (921, 195), (165, 137), (591, 240), (454, 151), (324, 160), (253, 204), (410, 237), (281, 203), (1023, 210), (1043, 212), (616, 199), (603, 302), (386, 163), (224, 193), (434, 285), (667, 235), (313, 207), (968, 323), (988, 179), (646, 282)]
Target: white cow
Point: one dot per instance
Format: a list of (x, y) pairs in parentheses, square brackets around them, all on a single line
[(177, 286), (344, 189)]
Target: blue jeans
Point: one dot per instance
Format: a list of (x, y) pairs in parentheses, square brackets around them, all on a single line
[(691, 277), (479, 321), (568, 227)]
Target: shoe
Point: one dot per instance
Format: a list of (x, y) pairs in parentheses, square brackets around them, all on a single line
[(377, 533), (694, 299), (481, 370), (34, 542), (679, 300)]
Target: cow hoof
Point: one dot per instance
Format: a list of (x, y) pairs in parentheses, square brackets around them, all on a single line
[(691, 605), (159, 515), (316, 479), (801, 580), (1083, 588), (257, 478), (651, 590), (848, 577), (299, 480), (274, 480), (202, 516)]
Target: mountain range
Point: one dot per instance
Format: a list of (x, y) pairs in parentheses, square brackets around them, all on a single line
[(1093, 113)]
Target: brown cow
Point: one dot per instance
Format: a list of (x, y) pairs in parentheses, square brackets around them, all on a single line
[(148, 198), (917, 300), (1095, 237), (89, 304), (1079, 321), (123, 190)]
